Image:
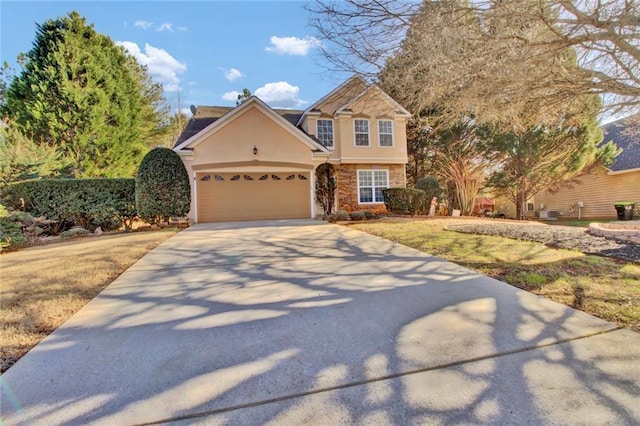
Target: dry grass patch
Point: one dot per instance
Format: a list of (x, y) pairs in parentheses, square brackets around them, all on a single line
[(44, 286), (606, 288)]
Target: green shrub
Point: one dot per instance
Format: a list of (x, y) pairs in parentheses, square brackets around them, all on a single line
[(431, 188), (403, 200), (342, 215), (358, 216), (331, 218), (83, 202), (162, 187), (74, 232), (370, 215)]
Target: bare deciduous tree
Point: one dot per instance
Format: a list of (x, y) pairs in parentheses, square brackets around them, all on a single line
[(515, 61)]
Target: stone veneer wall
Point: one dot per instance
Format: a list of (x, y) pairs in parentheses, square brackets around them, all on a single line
[(347, 182)]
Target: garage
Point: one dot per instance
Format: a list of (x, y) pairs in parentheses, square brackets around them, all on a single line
[(253, 196)]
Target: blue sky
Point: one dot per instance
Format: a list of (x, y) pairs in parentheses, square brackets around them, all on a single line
[(205, 50)]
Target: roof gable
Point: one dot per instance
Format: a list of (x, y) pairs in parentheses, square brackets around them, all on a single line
[(399, 109), (356, 84), (204, 126)]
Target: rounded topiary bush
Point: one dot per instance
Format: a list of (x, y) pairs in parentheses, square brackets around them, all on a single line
[(162, 187)]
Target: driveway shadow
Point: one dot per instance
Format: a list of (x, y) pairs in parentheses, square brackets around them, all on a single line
[(317, 324)]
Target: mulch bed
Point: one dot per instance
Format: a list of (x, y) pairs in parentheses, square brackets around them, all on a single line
[(566, 237)]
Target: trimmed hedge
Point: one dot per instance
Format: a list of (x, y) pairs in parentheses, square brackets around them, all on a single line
[(88, 203), (162, 187), (404, 200)]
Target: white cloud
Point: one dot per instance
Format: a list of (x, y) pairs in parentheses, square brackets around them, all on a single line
[(186, 111), (231, 74), (181, 28), (292, 45), (280, 95), (145, 25), (160, 64), (231, 96), (165, 26)]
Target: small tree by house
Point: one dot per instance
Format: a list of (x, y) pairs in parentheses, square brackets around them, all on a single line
[(162, 187), (325, 188), (430, 186)]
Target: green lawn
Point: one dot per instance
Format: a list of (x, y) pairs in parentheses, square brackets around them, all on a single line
[(603, 287)]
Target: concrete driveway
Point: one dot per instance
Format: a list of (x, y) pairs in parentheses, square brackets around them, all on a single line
[(298, 322)]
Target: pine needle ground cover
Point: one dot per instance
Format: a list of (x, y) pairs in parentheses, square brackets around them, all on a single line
[(606, 288), (42, 287)]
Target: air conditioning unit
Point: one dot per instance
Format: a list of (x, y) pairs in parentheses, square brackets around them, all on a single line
[(554, 214), (542, 214), (548, 214)]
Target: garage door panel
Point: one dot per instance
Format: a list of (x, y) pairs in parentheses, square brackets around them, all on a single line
[(253, 196)]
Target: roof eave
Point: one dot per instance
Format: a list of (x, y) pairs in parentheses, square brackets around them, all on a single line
[(620, 172), (293, 130)]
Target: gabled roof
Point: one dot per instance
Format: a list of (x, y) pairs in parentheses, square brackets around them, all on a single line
[(628, 139), (285, 118), (206, 115), (399, 109), (330, 94)]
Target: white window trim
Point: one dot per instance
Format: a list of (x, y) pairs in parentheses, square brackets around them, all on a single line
[(333, 132), (393, 142), (373, 184), (368, 132)]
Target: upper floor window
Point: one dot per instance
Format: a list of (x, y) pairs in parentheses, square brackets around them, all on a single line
[(324, 132), (361, 131), (385, 132)]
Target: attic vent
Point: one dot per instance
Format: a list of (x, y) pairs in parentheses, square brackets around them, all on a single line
[(302, 177), (236, 177), (218, 177), (205, 178), (290, 177), (247, 177), (264, 177), (275, 177)]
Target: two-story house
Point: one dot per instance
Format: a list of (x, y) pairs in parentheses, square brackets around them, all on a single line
[(254, 162)]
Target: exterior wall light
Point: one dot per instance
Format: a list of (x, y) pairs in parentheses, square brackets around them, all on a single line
[(255, 150)]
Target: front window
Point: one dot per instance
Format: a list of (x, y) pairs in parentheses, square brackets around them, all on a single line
[(385, 132), (370, 185), (361, 130), (325, 132)]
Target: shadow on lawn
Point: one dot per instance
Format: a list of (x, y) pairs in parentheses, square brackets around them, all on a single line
[(328, 324)]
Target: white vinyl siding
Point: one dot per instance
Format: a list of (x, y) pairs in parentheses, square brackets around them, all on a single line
[(385, 133), (324, 132), (370, 185), (361, 132)]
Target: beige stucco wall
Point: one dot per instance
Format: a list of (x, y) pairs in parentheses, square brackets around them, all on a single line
[(350, 90), (372, 106), (230, 149), (234, 142), (598, 191)]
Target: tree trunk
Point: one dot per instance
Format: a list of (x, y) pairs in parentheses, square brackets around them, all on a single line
[(521, 206)]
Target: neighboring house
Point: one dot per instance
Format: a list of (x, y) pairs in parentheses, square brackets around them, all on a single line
[(601, 187), (253, 162)]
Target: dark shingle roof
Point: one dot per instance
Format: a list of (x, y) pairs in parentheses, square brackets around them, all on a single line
[(626, 138), (205, 115)]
